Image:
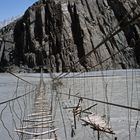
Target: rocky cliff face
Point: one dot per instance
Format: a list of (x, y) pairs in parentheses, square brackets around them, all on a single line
[(56, 34)]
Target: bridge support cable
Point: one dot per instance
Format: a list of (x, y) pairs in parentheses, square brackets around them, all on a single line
[(12, 111), (103, 102)]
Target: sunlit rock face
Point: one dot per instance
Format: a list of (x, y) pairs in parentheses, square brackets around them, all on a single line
[(56, 34)]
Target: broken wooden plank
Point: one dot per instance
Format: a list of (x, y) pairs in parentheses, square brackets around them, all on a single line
[(97, 123), (89, 108), (85, 110)]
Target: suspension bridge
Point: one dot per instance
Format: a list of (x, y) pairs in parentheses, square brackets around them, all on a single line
[(33, 107), (35, 123), (47, 108)]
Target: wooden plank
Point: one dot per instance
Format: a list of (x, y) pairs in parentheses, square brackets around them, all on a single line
[(41, 111), (39, 117), (43, 115), (38, 103), (39, 120), (38, 124), (32, 127), (35, 134), (38, 113), (71, 107), (43, 139)]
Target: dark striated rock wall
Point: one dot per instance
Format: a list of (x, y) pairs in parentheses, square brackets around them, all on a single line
[(57, 33)]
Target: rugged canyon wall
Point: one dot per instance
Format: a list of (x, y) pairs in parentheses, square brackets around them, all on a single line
[(56, 34)]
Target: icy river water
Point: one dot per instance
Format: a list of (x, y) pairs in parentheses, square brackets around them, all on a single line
[(120, 87)]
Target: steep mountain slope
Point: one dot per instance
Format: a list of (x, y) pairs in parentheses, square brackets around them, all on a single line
[(56, 34), (8, 21)]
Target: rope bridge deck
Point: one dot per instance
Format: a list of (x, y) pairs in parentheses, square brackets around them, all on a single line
[(39, 123)]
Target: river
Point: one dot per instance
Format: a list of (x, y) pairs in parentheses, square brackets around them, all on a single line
[(115, 86)]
